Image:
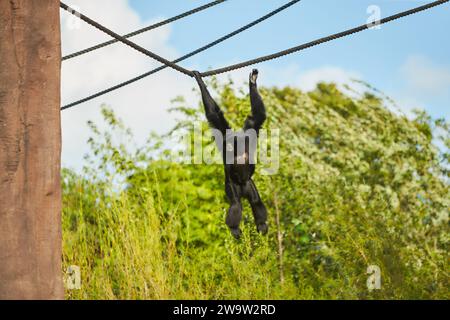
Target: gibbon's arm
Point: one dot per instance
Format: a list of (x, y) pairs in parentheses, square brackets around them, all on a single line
[(258, 116), (213, 113)]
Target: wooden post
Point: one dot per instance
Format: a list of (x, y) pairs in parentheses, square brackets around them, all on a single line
[(30, 150)]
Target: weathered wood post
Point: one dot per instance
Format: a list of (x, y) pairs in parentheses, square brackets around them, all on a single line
[(30, 150)]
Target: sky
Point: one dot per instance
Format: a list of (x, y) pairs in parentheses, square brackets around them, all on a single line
[(409, 59)]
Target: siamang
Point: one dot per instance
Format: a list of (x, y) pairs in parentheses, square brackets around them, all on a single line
[(238, 150)]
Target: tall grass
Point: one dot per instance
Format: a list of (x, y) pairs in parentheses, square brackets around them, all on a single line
[(132, 249)]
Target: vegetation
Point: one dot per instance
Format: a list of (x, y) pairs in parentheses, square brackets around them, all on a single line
[(358, 185)]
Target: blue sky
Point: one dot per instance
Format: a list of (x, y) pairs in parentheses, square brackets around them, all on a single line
[(408, 59), (380, 57)]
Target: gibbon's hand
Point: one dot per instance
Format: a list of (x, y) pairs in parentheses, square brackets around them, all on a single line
[(253, 76), (197, 76)]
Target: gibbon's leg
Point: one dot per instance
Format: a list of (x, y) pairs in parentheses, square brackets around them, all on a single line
[(258, 115), (258, 208), (213, 113), (234, 215)]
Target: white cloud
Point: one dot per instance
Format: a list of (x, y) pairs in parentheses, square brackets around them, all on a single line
[(309, 79), (424, 77), (143, 105), (423, 84)]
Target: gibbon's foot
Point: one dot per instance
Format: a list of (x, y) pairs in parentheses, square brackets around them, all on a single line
[(236, 232), (263, 228), (253, 76)]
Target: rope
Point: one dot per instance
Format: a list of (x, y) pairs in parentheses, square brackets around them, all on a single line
[(151, 27), (322, 40), (126, 41), (186, 56)]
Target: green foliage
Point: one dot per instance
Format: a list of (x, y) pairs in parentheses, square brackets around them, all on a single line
[(358, 185)]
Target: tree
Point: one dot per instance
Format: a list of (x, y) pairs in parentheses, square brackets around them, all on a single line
[(30, 150)]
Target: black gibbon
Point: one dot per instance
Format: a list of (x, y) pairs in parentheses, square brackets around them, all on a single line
[(237, 151)]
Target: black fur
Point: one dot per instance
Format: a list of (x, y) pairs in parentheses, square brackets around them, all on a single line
[(238, 174)]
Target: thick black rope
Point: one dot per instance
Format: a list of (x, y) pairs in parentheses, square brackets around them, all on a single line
[(186, 56), (148, 28), (126, 41), (323, 40)]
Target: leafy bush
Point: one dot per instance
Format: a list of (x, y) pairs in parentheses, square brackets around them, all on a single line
[(358, 185)]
